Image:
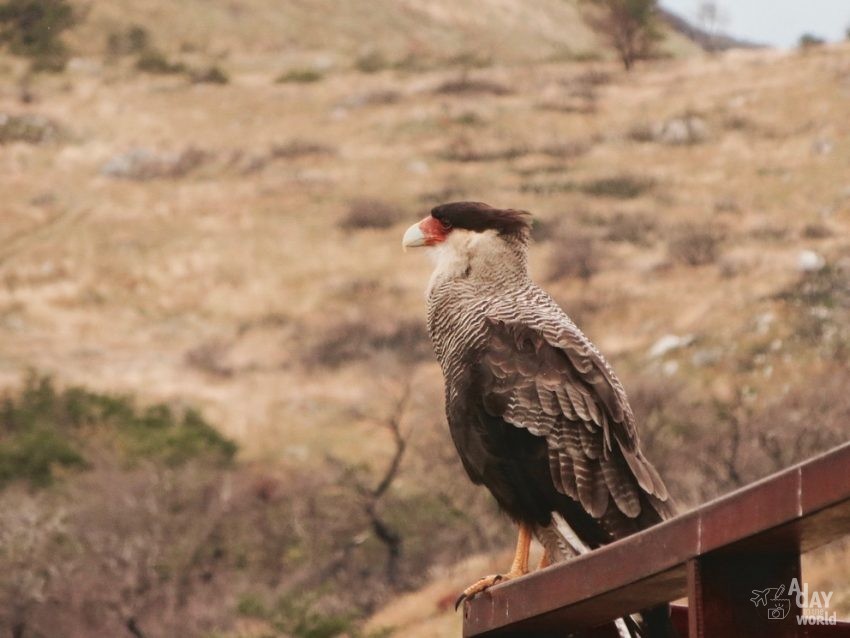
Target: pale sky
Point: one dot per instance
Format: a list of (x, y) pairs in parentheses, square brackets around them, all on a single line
[(775, 22)]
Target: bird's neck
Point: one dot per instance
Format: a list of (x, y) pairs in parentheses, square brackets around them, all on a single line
[(480, 259)]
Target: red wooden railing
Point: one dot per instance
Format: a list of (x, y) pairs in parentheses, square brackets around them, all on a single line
[(717, 556)]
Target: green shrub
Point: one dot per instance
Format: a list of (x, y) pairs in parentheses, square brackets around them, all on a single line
[(298, 617), (585, 56), (633, 228), (42, 429), (33, 28), (828, 287), (470, 60), (299, 76), (371, 62), (468, 85), (160, 434), (820, 301), (33, 456), (618, 186), (296, 148), (137, 39), (464, 149), (301, 615), (29, 128), (809, 40), (694, 245), (469, 118), (210, 75), (131, 41), (154, 61), (252, 606)]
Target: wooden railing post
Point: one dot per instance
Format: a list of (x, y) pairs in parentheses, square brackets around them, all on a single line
[(721, 589)]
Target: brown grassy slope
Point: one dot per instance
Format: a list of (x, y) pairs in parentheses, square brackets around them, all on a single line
[(337, 32), (220, 286), (327, 34), (115, 282)]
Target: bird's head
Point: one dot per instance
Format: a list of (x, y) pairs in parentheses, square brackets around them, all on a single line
[(467, 237), (465, 219)]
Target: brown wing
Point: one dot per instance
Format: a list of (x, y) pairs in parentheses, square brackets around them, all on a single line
[(555, 384)]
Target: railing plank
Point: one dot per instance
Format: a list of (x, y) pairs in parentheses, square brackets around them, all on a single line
[(796, 510)]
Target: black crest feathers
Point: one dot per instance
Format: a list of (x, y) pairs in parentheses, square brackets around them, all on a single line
[(478, 217)]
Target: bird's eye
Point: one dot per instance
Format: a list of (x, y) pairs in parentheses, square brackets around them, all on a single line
[(446, 225)]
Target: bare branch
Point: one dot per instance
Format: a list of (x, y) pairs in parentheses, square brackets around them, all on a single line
[(394, 425), (384, 532)]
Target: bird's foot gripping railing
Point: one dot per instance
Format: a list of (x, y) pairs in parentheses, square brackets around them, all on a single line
[(736, 559)]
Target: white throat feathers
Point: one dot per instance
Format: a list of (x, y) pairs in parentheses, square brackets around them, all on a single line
[(481, 255)]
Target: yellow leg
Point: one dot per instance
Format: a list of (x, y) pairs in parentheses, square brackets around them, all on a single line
[(523, 543), (519, 567), (545, 560)]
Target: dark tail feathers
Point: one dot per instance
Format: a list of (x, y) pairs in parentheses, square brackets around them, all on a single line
[(654, 623)]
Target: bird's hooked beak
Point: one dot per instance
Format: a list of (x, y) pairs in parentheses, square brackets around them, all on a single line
[(413, 237), (427, 232)]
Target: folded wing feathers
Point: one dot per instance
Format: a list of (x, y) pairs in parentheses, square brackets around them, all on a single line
[(568, 476), (590, 484), (660, 490), (664, 507), (557, 389), (566, 404), (592, 408), (621, 485), (639, 470), (555, 469), (577, 401), (591, 441), (548, 400), (601, 494)]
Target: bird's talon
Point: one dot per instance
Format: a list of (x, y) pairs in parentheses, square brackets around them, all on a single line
[(459, 601), (479, 586)]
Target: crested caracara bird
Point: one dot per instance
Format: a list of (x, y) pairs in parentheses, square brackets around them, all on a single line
[(536, 413)]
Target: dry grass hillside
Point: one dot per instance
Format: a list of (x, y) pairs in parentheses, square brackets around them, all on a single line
[(338, 35), (263, 220), (236, 246)]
